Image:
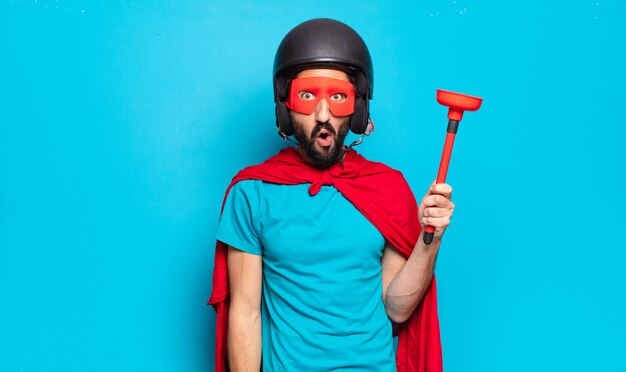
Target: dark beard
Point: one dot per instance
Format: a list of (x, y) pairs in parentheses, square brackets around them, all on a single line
[(326, 157)]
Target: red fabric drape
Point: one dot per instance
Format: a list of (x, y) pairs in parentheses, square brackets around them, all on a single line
[(382, 195)]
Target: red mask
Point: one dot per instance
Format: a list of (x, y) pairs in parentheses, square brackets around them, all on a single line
[(307, 92)]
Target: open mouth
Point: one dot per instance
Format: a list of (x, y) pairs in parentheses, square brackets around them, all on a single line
[(324, 138)]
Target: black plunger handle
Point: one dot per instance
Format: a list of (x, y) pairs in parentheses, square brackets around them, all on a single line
[(428, 237)]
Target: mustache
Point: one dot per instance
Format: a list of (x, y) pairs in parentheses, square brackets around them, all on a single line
[(318, 128)]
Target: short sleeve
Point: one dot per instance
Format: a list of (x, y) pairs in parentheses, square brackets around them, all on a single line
[(238, 225)]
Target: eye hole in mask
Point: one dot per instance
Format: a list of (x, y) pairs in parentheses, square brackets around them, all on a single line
[(306, 93)]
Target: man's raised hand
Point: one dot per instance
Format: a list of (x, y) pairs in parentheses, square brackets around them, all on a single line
[(436, 208)]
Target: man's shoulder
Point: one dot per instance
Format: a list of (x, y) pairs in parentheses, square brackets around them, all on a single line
[(378, 167)]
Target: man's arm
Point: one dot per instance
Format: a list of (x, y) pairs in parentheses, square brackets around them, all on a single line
[(405, 280), (244, 320)]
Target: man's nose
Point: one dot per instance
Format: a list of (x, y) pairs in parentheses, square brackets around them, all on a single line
[(322, 111)]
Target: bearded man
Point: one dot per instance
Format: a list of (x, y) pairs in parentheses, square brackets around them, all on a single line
[(320, 256)]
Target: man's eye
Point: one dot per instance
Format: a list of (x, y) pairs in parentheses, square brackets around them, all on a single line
[(338, 97), (307, 96)]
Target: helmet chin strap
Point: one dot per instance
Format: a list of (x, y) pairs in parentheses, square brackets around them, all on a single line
[(286, 138), (369, 129)]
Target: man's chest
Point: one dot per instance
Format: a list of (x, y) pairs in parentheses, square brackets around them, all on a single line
[(301, 229)]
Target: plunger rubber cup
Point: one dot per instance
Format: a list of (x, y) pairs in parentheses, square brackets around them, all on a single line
[(457, 104)]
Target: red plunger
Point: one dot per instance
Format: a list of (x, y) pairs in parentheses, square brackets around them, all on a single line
[(457, 103)]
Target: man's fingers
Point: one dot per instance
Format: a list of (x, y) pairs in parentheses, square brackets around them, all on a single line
[(441, 189), (437, 212), (437, 200), (437, 223), (436, 209)]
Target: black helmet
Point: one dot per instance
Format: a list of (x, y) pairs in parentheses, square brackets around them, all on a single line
[(323, 43)]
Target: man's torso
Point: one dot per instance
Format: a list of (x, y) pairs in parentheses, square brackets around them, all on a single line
[(322, 285)]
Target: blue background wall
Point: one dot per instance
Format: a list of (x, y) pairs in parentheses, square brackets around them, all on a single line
[(121, 124)]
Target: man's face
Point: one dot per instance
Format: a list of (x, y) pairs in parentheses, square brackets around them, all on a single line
[(321, 133)]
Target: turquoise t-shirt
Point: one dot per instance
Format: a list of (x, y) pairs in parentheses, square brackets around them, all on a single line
[(322, 305)]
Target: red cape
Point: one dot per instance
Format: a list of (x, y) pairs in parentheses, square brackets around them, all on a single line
[(383, 196)]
